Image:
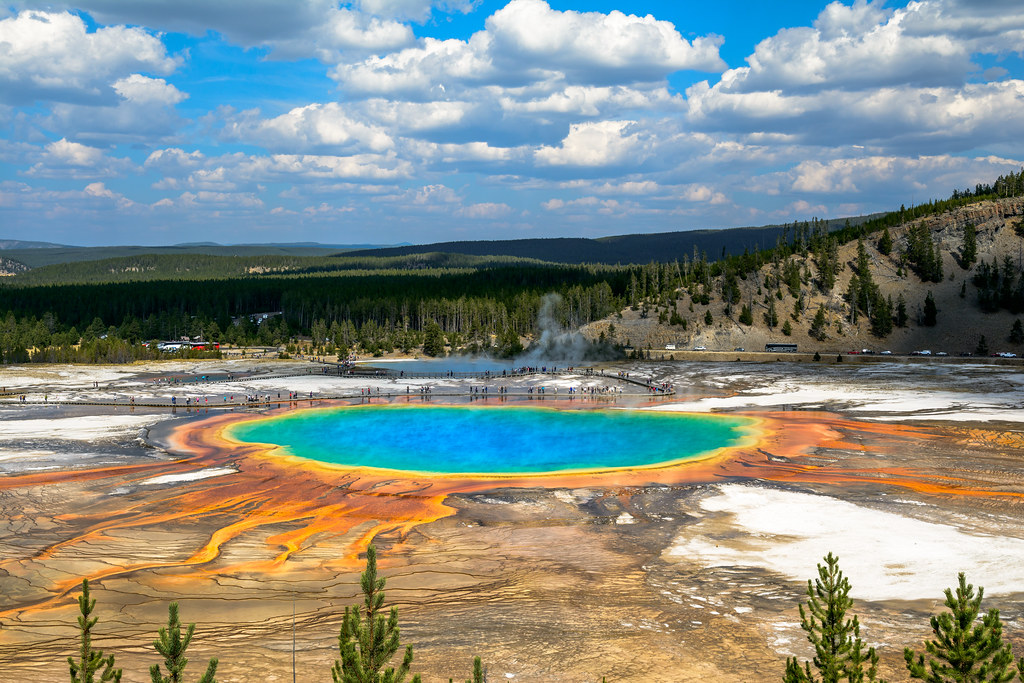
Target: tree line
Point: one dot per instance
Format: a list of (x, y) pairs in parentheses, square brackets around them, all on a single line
[(377, 312)]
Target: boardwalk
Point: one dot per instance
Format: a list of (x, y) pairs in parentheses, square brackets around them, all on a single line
[(496, 386)]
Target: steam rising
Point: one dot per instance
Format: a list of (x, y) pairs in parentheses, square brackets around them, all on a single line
[(559, 345)]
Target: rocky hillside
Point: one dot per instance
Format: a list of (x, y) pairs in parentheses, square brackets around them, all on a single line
[(11, 267), (960, 321)]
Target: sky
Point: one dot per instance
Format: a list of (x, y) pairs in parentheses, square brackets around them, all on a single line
[(390, 121)]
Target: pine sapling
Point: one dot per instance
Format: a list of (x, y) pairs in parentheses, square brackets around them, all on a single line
[(367, 645), (172, 645), (90, 661), (839, 653), (478, 673), (964, 650)]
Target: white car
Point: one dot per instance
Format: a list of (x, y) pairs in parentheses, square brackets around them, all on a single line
[(1007, 354), (886, 353), (700, 348)]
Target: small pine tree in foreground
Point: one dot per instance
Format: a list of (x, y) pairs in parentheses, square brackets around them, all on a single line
[(839, 653), (367, 645), (172, 646), (90, 661), (964, 650), (478, 672)]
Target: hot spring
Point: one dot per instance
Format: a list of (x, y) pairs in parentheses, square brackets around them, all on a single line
[(492, 440)]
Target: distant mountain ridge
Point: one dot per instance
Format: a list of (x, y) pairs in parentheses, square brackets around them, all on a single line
[(38, 254), (618, 249), (22, 244), (290, 245)]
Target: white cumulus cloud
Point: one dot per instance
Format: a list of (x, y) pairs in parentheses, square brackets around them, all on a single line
[(600, 143), (527, 41), (66, 159), (52, 56), (315, 127), (297, 29), (597, 47)]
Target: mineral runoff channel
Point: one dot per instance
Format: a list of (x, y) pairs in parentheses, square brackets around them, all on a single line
[(676, 573)]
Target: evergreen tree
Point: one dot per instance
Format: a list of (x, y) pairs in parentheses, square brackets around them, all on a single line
[(478, 672), (791, 276), (787, 328), (964, 650), (1017, 332), (771, 317), (982, 348), (367, 646), (901, 311), (826, 259), (509, 344), (839, 653), (817, 329), (852, 297), (863, 262), (746, 316), (935, 274), (172, 646), (881, 317), (433, 340), (969, 251), (930, 316), (885, 243), (90, 661), (708, 319)]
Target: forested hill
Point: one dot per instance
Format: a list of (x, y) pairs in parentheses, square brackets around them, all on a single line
[(38, 254), (620, 249), (176, 267)]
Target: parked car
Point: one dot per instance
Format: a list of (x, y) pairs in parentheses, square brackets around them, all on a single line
[(700, 348), (886, 353)]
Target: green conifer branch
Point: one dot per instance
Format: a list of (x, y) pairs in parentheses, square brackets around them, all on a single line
[(964, 650), (90, 661)]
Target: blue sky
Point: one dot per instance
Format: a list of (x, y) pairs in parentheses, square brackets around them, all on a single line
[(387, 121)]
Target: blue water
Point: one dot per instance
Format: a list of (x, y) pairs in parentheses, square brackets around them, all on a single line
[(451, 439)]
